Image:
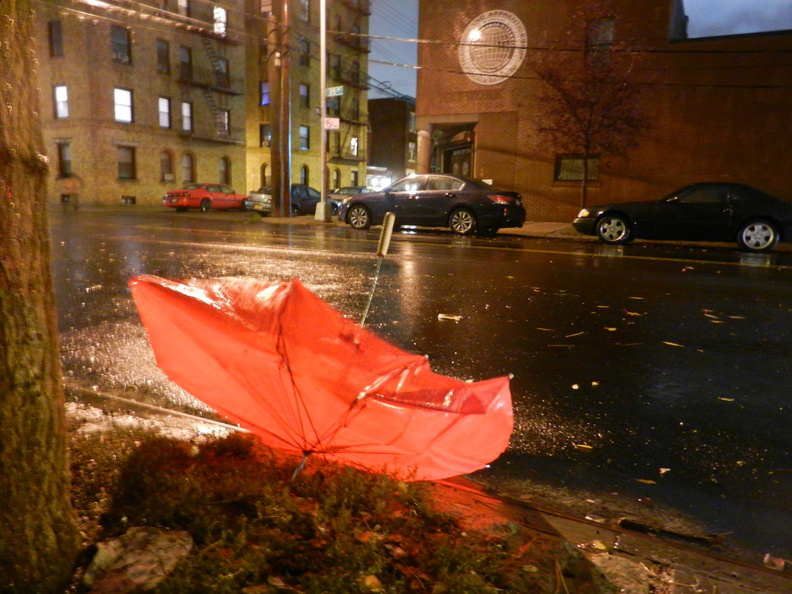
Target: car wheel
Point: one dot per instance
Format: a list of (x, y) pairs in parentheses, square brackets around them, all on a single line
[(462, 221), (206, 205), (614, 229), (359, 217), (758, 236)]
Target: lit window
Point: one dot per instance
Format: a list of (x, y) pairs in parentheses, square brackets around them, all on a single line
[(220, 20), (265, 134), (120, 45), (186, 112), (61, 102), (183, 7), (222, 73), (305, 10), (164, 112), (265, 92), (411, 151), (224, 122), (123, 105), (305, 138), (353, 146), (126, 162)]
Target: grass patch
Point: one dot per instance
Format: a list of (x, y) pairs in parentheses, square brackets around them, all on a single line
[(332, 529)]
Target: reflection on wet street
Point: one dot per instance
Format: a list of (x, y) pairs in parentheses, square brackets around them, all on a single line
[(648, 380)]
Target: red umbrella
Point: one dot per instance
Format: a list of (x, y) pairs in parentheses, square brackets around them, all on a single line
[(279, 361)]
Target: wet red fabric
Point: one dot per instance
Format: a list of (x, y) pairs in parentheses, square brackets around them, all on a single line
[(279, 361)]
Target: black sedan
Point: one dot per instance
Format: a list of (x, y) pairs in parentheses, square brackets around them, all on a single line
[(437, 200), (709, 211)]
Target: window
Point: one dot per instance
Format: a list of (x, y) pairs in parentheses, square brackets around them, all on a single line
[(599, 37), (570, 168), (265, 7), (305, 10), (305, 99), (55, 35), (123, 105), (220, 16), (186, 114), (265, 134), (354, 109), (263, 175), (304, 177), (188, 168), (265, 92), (305, 52), (224, 170), (61, 95), (353, 146), (183, 7), (163, 56), (224, 122), (355, 181), (336, 178), (185, 63), (120, 45), (64, 159), (412, 153), (166, 166), (222, 73), (305, 138), (126, 162), (164, 112), (411, 121)]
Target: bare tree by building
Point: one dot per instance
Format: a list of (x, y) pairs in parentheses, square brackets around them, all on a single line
[(589, 107), (38, 536)]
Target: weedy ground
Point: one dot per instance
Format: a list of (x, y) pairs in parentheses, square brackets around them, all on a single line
[(331, 528)]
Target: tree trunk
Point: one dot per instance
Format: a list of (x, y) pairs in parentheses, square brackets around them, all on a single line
[(38, 535)]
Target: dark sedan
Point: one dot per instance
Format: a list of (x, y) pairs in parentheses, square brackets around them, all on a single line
[(709, 211), (437, 200)]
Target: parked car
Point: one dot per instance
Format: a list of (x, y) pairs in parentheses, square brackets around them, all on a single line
[(437, 200), (347, 191), (303, 200), (204, 197), (708, 211)]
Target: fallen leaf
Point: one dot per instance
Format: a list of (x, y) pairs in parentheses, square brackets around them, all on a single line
[(583, 447), (726, 399), (545, 330), (673, 344), (647, 481), (632, 313), (610, 329), (664, 470), (452, 317), (575, 386), (638, 298), (575, 334)]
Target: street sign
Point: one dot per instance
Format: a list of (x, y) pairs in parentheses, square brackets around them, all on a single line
[(332, 123), (335, 91)]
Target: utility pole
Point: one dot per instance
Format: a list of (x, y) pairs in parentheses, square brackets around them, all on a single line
[(279, 76)]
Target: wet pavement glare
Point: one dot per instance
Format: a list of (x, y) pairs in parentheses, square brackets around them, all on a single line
[(648, 386)]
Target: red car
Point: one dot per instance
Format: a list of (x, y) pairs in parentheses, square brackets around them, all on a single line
[(204, 196)]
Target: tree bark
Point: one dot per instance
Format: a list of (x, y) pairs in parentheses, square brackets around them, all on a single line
[(38, 535)]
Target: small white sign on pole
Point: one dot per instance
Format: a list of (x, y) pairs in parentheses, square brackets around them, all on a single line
[(332, 123)]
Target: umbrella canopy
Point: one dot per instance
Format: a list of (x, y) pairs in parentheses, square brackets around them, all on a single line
[(279, 361)]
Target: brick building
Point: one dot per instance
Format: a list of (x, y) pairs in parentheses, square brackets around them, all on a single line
[(141, 97), (393, 127), (136, 101), (346, 66), (719, 108)]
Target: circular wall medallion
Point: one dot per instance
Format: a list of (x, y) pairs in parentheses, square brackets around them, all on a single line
[(493, 47)]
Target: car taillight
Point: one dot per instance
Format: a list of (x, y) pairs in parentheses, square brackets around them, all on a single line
[(498, 199)]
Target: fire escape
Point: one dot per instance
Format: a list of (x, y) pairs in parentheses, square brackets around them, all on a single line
[(347, 71), (215, 84)]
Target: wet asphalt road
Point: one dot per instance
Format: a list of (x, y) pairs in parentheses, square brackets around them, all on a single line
[(649, 381)]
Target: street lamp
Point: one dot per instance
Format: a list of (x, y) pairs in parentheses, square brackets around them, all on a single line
[(323, 208)]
